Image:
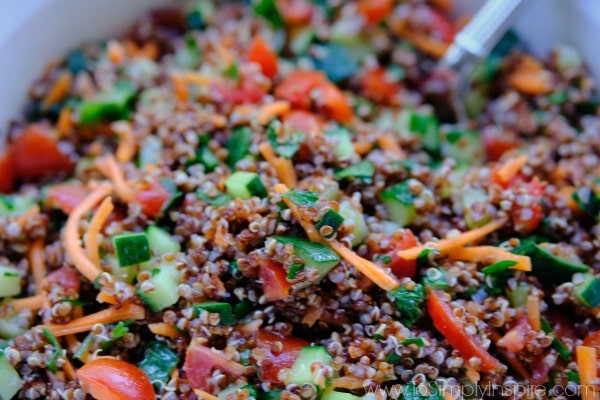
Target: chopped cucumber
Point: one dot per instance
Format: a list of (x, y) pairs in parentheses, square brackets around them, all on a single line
[(335, 61), (123, 274), (548, 267), (426, 126), (302, 197), (269, 11), (11, 382), (238, 145), (301, 40), (398, 201), (518, 296), (131, 248), (110, 106), (245, 185), (314, 255), (151, 150), (224, 310), (361, 230), (9, 327), (14, 205), (588, 292), (164, 294), (470, 197), (301, 370), (464, 146), (10, 281), (344, 148), (364, 171), (161, 242), (331, 191), (331, 218), (206, 157)]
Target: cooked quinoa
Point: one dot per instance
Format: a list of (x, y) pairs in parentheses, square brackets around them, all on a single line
[(275, 200)]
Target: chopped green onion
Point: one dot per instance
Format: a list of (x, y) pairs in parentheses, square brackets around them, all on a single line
[(499, 267), (269, 11), (223, 309), (238, 145), (51, 364), (418, 341), (302, 197), (219, 200), (558, 345), (290, 146)]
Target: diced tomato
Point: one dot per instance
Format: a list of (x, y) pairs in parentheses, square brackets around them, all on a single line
[(527, 218), (333, 103), (296, 87), (67, 277), (247, 91), (295, 11), (304, 121), (539, 370), (112, 379), (284, 359), (516, 338), (448, 325), (200, 362), (593, 340), (442, 27), (35, 153), (375, 11), (65, 196), (377, 86), (260, 53), (153, 199), (496, 143), (399, 266), (273, 276), (7, 172)]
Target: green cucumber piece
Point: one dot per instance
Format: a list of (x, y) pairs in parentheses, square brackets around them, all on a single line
[(206, 157), (588, 291), (331, 191), (363, 171), (14, 205), (161, 241), (470, 197), (344, 148), (331, 218), (150, 153), (224, 310), (300, 372), (335, 61), (123, 274), (314, 255), (398, 201), (164, 294), (302, 197), (269, 11), (10, 381), (361, 230), (548, 267), (238, 145), (426, 127), (131, 248), (464, 146), (244, 185), (302, 39), (518, 296), (108, 106), (10, 281)]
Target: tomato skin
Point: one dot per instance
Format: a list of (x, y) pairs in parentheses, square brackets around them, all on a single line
[(446, 323), (295, 12), (374, 11), (377, 86), (285, 359), (334, 103), (109, 378), (515, 339), (296, 87), (442, 27), (593, 340), (153, 199), (539, 370), (260, 53), (200, 362), (7, 172), (497, 143), (527, 219), (65, 276), (400, 267), (245, 92), (35, 153), (275, 285), (304, 121), (65, 196)]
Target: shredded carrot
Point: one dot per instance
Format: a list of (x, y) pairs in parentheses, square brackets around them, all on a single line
[(202, 395), (534, 83), (308, 227), (71, 238), (267, 152), (59, 90), (472, 374), (104, 297), (126, 149), (490, 254), (348, 382), (371, 270), (269, 111), (588, 373), (106, 316), (72, 342), (444, 246), (510, 168), (35, 254), (179, 88), (224, 54), (64, 125), (162, 329), (533, 312), (285, 171), (389, 143), (33, 303), (115, 52), (362, 147), (109, 167), (68, 369), (91, 237), (196, 78), (434, 48)]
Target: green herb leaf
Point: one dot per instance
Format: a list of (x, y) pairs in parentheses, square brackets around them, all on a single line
[(418, 341), (219, 200), (51, 364), (364, 171), (302, 197), (500, 266), (409, 303), (159, 361), (232, 72), (290, 146), (268, 10), (560, 347)]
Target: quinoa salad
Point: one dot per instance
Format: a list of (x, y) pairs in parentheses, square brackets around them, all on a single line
[(275, 200)]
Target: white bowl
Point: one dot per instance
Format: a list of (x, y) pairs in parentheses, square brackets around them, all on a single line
[(32, 32)]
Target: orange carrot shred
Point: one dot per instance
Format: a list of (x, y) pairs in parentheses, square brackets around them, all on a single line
[(127, 145), (33, 303), (91, 238), (308, 227), (490, 254), (162, 329), (533, 312), (510, 168), (389, 143), (109, 167), (59, 90), (269, 111), (64, 125), (588, 373), (35, 254)]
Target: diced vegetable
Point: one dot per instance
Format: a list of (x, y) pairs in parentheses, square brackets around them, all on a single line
[(560, 347), (301, 40), (518, 296), (14, 205), (260, 53), (238, 145), (10, 281), (110, 379), (398, 201), (200, 361), (64, 196), (361, 230), (223, 309), (7, 172), (161, 242), (408, 302), (206, 157), (219, 200), (51, 363), (547, 266), (472, 197), (588, 291), (424, 125), (131, 248), (332, 219), (11, 326), (344, 148), (245, 185), (587, 200), (123, 274), (436, 278), (165, 280), (301, 371), (402, 267), (465, 146), (314, 255), (363, 171), (269, 11), (302, 197), (274, 280), (159, 361), (290, 146), (158, 197), (10, 381), (188, 56), (335, 62), (285, 359), (111, 105)]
